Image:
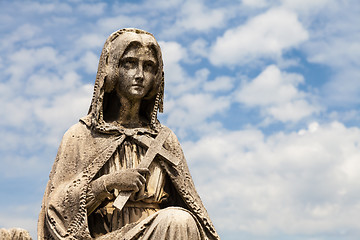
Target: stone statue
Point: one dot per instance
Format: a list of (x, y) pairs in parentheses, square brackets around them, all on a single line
[(14, 234), (119, 173)]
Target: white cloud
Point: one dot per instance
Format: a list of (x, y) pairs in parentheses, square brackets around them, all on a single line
[(51, 104), (343, 89), (91, 41), (49, 85), (193, 109), (222, 83), (277, 95), (194, 15), (271, 87), (92, 9), (199, 47), (161, 4), (43, 8), (112, 24), (16, 166), (17, 111), (23, 34), (90, 62), (305, 5), (336, 51), (255, 3), (293, 183), (25, 60), (190, 113), (264, 36), (42, 90), (292, 111), (335, 42), (173, 54), (63, 111)]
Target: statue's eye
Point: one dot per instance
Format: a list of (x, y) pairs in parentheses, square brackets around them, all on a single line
[(128, 63), (149, 66)]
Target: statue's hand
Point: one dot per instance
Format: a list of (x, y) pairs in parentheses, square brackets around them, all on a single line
[(127, 179), (123, 180)]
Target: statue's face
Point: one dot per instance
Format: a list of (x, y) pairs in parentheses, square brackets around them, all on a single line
[(137, 71)]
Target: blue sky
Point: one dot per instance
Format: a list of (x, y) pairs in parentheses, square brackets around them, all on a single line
[(263, 95)]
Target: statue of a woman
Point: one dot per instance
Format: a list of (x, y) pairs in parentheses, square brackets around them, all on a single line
[(104, 156)]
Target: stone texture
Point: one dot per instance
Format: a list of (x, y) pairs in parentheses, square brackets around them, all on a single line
[(14, 234), (121, 149)]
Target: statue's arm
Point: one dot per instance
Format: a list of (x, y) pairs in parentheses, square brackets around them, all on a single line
[(66, 184), (97, 193)]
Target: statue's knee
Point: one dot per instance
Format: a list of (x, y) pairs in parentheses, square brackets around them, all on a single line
[(177, 216)]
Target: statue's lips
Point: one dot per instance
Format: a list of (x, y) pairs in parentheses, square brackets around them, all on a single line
[(138, 85)]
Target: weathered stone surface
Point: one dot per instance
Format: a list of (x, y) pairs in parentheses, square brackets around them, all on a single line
[(14, 234), (119, 173)]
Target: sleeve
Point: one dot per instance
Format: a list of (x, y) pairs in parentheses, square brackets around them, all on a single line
[(68, 196), (64, 202)]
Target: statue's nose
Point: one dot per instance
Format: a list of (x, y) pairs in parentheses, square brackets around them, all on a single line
[(139, 75)]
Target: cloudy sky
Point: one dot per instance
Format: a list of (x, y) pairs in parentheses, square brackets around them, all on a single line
[(263, 95)]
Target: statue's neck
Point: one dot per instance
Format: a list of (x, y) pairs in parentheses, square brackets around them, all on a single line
[(129, 114)]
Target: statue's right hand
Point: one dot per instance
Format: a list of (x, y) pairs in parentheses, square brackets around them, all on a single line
[(127, 179)]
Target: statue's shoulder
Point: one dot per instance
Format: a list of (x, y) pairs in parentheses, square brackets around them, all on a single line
[(172, 135), (77, 130), (172, 143)]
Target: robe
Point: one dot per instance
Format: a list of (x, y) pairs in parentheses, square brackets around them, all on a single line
[(82, 157)]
